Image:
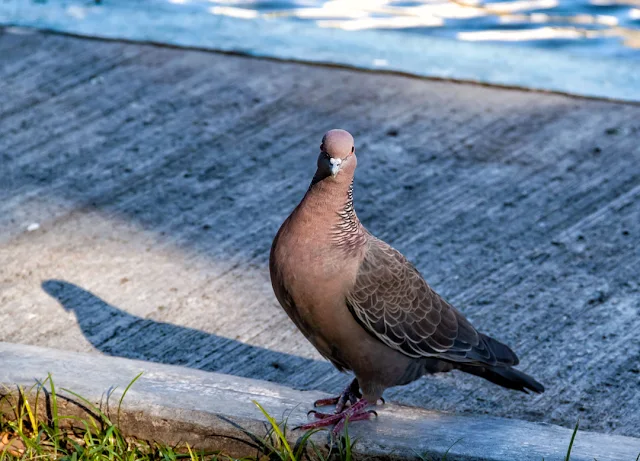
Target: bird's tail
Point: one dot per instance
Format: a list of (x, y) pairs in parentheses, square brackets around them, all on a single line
[(506, 377), (503, 353)]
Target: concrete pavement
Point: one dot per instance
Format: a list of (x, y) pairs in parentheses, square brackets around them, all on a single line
[(141, 186)]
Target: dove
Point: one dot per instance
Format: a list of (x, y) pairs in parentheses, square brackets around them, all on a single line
[(364, 306)]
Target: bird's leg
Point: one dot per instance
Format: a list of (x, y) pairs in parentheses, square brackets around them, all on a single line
[(355, 412), (351, 394)]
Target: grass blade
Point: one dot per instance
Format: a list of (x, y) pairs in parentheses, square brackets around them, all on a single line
[(91, 406), (303, 442), (573, 437), (54, 415), (347, 442), (125, 393), (32, 418), (276, 429), (446, 453), (54, 403)]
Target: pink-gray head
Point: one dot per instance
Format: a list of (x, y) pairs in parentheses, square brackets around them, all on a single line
[(337, 154)]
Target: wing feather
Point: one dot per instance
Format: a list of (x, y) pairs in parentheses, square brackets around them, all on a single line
[(394, 303)]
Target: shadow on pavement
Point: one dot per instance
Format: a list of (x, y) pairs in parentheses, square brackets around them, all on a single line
[(118, 333)]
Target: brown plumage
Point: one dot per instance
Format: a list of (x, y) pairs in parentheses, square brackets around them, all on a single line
[(363, 305)]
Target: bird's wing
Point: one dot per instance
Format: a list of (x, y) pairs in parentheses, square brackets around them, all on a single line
[(392, 301)]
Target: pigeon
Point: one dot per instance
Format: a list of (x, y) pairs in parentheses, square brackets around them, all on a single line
[(364, 306)]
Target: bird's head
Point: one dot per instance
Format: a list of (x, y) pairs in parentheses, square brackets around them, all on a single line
[(337, 155)]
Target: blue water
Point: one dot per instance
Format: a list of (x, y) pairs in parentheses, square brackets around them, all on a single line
[(579, 27), (586, 47)]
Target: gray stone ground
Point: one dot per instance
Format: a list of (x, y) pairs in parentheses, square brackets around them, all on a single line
[(158, 177)]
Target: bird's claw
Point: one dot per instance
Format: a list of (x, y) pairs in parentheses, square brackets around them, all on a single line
[(325, 402)]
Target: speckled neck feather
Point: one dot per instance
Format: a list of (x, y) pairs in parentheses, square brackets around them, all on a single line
[(348, 233)]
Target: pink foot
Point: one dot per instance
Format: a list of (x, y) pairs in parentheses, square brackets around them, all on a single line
[(356, 412)]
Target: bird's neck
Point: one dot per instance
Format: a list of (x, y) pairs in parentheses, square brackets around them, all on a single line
[(333, 201)]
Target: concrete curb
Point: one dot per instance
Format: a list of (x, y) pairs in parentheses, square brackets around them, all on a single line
[(213, 411)]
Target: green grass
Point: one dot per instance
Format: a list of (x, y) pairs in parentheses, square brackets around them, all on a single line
[(26, 435), (32, 437)]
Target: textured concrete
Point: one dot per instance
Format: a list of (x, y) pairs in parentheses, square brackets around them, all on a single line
[(158, 177), (212, 411)]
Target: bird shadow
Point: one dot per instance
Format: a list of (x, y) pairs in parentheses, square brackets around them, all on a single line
[(118, 333)]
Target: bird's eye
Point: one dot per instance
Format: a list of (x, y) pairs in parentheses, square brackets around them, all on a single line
[(353, 148)]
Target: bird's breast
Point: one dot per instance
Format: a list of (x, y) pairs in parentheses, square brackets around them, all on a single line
[(316, 280)]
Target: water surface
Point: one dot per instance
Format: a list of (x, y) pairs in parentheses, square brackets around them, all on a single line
[(582, 27), (580, 47)]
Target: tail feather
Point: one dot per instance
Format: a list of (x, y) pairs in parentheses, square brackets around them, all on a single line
[(506, 377), (503, 353)]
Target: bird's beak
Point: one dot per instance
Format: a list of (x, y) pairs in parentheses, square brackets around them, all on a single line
[(335, 166)]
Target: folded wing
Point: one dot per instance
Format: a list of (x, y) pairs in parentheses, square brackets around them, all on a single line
[(392, 301)]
